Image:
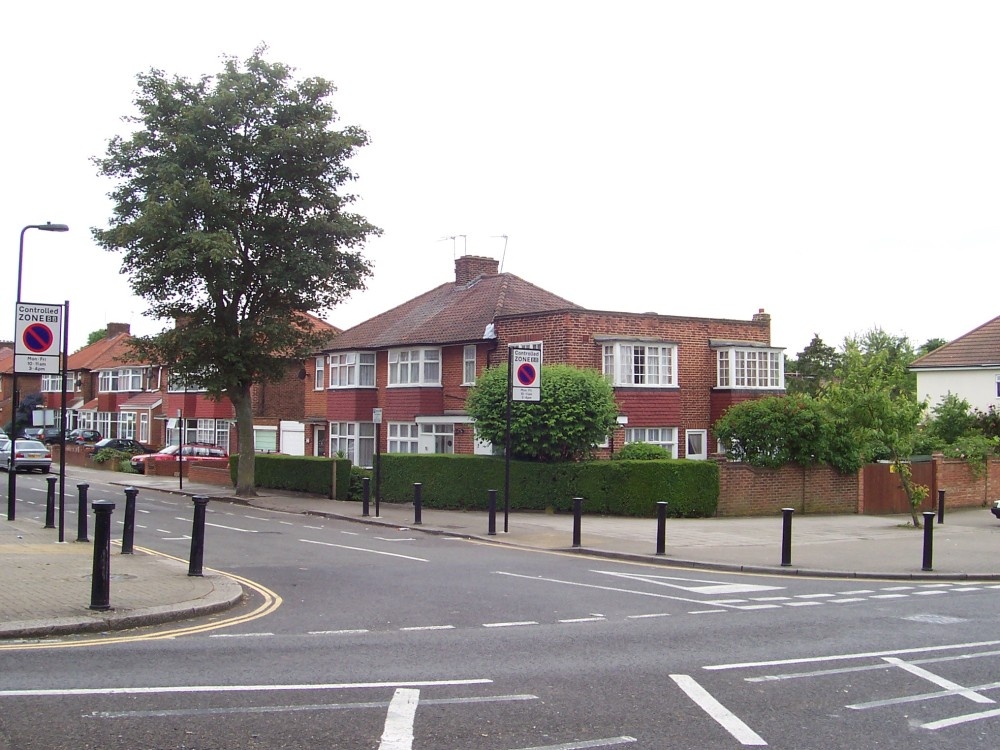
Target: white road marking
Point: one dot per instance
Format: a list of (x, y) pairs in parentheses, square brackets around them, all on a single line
[(362, 549), (725, 718), (166, 712), (871, 667), (652, 594), (398, 731), (387, 539), (846, 657), (584, 744), (955, 720), (585, 619), (428, 627), (710, 587), (938, 680), (314, 528), (238, 688), (928, 593), (220, 526), (655, 614), (509, 624), (240, 635), (922, 697), (336, 632)]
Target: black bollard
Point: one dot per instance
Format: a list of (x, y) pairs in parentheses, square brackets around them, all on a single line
[(128, 535), (491, 507), (81, 512), (197, 535), (577, 515), (940, 506), (417, 503), (928, 540), (50, 503), (786, 536), (100, 584), (365, 495), (661, 527)]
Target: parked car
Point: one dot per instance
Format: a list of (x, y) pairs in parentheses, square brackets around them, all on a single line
[(198, 451), (27, 455), (80, 437), (996, 508), (126, 445), (31, 433)]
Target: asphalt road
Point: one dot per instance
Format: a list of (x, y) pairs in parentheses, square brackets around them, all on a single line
[(357, 636)]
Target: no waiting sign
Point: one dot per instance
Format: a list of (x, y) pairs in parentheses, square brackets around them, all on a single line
[(38, 338), (526, 374)]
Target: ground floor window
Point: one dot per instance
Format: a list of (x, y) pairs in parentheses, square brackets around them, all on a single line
[(265, 439), (211, 431), (355, 440), (437, 438), (403, 437), (665, 437)]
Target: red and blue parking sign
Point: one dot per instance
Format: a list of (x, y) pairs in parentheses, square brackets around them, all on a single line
[(37, 338)]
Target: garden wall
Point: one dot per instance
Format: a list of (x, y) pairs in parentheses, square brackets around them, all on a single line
[(745, 490)]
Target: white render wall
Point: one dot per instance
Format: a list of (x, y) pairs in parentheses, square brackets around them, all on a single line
[(978, 387)]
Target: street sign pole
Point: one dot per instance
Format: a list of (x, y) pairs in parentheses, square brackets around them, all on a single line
[(506, 451)]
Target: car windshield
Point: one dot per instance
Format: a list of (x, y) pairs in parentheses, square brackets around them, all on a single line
[(29, 445), (170, 450)]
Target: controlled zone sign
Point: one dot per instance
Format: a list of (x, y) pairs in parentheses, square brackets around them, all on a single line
[(37, 338), (526, 374)]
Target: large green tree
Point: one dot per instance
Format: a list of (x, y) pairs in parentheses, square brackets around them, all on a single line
[(812, 369), (874, 399), (577, 411), (230, 211)]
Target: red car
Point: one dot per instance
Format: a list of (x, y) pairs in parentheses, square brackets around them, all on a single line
[(197, 451)]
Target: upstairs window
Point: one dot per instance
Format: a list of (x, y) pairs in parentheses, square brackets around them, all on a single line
[(415, 367), (352, 370), (127, 379), (750, 368), (627, 363), (469, 365), (320, 379)]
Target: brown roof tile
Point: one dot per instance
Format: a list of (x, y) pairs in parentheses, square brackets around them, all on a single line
[(450, 314), (111, 351), (977, 348)]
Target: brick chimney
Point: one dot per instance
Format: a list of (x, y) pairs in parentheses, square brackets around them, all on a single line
[(115, 328), (469, 267)]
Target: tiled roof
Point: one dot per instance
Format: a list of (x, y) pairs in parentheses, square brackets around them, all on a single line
[(142, 401), (450, 314), (111, 351), (979, 347)]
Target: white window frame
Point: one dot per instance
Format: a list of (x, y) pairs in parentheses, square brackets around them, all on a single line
[(696, 456), (143, 427), (122, 380), (414, 367), (469, 364), (355, 439), (750, 368), (52, 383), (269, 444), (319, 382), (403, 437), (352, 370), (665, 437), (640, 364)]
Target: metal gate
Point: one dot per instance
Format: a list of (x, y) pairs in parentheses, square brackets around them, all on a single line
[(884, 493)]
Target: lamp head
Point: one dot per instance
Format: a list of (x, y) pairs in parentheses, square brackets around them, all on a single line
[(50, 227)]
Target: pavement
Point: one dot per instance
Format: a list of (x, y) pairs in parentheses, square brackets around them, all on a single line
[(48, 585)]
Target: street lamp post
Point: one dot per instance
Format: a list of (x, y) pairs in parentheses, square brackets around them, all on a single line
[(11, 474)]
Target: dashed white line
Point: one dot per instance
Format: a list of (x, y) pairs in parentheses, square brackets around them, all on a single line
[(337, 632), (429, 627), (362, 549), (516, 624), (585, 619)]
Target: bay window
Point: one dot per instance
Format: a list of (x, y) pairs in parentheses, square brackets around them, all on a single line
[(740, 367), (631, 363), (415, 367)]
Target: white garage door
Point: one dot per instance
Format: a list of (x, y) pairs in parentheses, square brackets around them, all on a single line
[(293, 438)]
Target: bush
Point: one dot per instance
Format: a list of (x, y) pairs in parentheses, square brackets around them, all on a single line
[(642, 452)]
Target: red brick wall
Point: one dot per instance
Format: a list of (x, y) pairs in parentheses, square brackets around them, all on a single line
[(962, 488), (350, 404), (284, 399), (748, 491)]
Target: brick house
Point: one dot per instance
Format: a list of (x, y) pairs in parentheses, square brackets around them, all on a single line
[(25, 383), (968, 367), (111, 390), (673, 376)]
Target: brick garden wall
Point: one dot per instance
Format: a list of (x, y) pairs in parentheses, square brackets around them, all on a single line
[(962, 488), (748, 491)]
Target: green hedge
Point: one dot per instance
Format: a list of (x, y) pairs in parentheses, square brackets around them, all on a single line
[(312, 474), (620, 488)]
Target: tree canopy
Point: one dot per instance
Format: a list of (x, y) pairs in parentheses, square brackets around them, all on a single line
[(577, 411), (230, 212)]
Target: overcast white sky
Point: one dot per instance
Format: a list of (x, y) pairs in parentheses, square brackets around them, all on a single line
[(835, 163)]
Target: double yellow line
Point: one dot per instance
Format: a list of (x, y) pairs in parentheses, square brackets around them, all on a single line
[(271, 602)]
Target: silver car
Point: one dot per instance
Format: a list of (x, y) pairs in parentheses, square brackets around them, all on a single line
[(28, 455)]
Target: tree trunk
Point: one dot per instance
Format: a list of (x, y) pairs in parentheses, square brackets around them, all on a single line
[(245, 486)]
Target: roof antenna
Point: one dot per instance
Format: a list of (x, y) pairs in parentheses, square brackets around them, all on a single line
[(504, 254), (465, 244), (452, 238)]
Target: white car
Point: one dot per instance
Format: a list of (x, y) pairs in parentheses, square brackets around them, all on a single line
[(27, 455)]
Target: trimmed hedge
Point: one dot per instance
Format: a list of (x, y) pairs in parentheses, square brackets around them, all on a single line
[(311, 474), (619, 488)]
